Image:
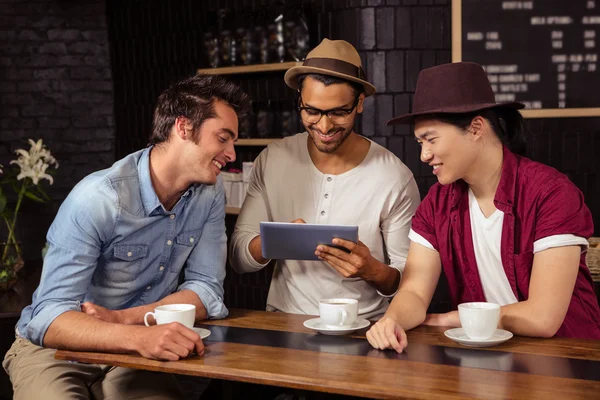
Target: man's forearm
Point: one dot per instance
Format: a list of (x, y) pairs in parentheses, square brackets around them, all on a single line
[(135, 315), (74, 330), (525, 319), (255, 248), (386, 279), (407, 309)]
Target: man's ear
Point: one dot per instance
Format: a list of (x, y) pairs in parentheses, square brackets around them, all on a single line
[(476, 127), (360, 104), (182, 128)]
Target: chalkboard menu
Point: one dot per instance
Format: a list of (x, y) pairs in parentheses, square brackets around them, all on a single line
[(544, 53)]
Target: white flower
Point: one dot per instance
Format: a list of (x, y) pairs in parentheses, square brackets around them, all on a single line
[(34, 163)]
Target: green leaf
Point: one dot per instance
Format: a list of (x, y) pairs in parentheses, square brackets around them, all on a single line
[(43, 193), (33, 197)]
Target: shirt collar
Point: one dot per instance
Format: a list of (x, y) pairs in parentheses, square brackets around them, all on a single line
[(150, 200), (505, 193)]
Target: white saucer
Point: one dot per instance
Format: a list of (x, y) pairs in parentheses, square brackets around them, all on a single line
[(459, 335), (204, 333), (317, 325)]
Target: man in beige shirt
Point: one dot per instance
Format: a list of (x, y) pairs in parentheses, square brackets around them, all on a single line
[(330, 175)]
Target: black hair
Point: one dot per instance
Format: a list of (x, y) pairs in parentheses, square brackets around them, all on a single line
[(507, 124), (327, 80), (194, 99)]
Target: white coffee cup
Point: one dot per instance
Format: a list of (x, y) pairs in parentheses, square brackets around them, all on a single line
[(338, 313), (185, 314), (479, 320)]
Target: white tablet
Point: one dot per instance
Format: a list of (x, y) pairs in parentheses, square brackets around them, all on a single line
[(290, 241)]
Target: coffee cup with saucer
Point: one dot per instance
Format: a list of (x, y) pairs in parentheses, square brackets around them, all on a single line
[(337, 316), (479, 325)]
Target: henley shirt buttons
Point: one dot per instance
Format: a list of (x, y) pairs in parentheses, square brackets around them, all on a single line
[(169, 242), (328, 179), (326, 195), (323, 212)]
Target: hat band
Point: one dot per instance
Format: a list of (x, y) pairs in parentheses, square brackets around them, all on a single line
[(340, 66)]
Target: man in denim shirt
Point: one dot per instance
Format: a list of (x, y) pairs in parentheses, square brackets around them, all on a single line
[(118, 245)]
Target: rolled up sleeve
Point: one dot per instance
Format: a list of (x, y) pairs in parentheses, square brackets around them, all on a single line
[(423, 220), (205, 267)]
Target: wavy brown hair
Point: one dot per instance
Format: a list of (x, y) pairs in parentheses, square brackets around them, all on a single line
[(194, 98)]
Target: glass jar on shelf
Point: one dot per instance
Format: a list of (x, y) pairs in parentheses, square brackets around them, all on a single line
[(264, 120), (296, 35), (247, 124), (260, 37), (289, 123), (276, 46), (227, 43), (246, 53), (211, 49)]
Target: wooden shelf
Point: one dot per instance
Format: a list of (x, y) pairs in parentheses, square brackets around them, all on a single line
[(255, 142), (247, 69), (232, 210)]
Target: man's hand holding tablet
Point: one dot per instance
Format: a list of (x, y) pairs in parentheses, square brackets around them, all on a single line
[(299, 241)]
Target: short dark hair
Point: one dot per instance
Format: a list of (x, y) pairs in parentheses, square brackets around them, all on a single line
[(194, 99), (327, 80), (507, 124)]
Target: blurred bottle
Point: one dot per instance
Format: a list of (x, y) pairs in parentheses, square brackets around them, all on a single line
[(227, 45), (261, 38), (264, 120), (296, 35), (289, 120), (210, 43), (276, 43), (246, 53), (247, 124)]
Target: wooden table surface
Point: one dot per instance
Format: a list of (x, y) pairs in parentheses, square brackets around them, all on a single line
[(276, 349)]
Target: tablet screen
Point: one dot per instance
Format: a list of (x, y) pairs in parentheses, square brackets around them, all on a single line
[(290, 241)]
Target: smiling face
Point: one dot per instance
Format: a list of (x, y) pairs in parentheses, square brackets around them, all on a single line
[(450, 151), (326, 136), (213, 145)]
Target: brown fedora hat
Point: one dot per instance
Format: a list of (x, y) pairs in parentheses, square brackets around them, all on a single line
[(335, 58), (454, 88)]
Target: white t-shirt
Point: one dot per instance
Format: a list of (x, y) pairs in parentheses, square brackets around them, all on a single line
[(487, 238), (379, 195)]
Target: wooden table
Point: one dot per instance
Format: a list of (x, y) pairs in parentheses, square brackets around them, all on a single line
[(276, 349)]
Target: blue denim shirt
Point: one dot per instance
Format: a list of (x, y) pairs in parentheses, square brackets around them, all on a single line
[(113, 243)]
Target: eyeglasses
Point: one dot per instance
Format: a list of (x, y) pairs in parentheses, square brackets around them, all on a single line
[(337, 116)]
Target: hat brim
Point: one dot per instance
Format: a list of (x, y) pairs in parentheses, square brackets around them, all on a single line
[(463, 109), (292, 74)]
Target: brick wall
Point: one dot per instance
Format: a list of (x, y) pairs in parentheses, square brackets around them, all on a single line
[(55, 84)]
